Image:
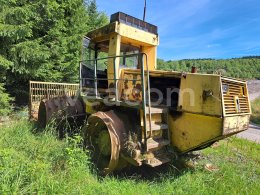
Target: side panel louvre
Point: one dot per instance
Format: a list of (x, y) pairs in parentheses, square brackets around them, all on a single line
[(235, 97)]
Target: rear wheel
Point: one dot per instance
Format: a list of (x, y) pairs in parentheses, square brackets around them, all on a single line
[(61, 108)]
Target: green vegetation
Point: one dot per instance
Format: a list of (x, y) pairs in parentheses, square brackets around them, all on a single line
[(33, 162), (255, 118), (41, 40), (5, 107), (246, 67)]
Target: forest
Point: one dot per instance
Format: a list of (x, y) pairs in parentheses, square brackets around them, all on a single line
[(41, 40), (244, 67)]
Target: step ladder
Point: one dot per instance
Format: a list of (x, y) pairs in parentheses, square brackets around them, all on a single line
[(157, 135), (154, 127)]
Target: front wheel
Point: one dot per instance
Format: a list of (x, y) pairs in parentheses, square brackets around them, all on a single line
[(103, 137)]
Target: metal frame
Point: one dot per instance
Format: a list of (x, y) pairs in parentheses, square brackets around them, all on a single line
[(48, 90), (146, 100)]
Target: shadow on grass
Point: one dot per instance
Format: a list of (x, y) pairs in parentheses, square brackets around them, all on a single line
[(173, 170), (61, 127)]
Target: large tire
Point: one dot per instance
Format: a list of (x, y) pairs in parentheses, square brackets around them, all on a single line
[(104, 137)]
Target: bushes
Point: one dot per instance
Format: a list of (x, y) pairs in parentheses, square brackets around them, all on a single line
[(5, 100)]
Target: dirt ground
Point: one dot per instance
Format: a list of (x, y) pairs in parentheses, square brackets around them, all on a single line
[(254, 89)]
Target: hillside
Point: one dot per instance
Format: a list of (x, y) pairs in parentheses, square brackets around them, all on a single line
[(245, 67)]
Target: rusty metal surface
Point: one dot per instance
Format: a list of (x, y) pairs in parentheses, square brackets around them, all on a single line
[(117, 132), (59, 107), (102, 33), (132, 21)]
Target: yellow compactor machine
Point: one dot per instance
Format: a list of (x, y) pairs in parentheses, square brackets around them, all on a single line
[(136, 114)]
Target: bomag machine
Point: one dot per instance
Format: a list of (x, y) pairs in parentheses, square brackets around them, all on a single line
[(135, 114)]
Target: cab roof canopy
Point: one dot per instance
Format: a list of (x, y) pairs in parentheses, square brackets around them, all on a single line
[(133, 31)]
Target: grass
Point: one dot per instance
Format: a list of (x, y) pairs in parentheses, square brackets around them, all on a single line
[(32, 162), (255, 118)]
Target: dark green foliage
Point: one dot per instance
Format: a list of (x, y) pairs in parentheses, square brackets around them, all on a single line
[(41, 40), (95, 19), (5, 100), (246, 67)]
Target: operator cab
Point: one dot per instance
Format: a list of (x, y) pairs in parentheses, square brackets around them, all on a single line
[(114, 56)]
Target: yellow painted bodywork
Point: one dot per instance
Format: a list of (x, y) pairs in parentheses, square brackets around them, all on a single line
[(114, 50), (234, 124), (235, 99), (151, 52), (200, 119), (201, 116), (130, 90), (136, 36), (191, 94), (89, 106), (118, 33), (129, 34), (191, 130)]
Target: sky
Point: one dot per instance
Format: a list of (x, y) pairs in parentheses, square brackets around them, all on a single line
[(191, 29)]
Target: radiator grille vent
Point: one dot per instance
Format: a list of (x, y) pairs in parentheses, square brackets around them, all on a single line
[(235, 96)]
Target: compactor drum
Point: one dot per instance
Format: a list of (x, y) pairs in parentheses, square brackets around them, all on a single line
[(136, 114)]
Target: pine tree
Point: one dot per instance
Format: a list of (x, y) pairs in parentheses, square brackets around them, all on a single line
[(41, 40), (95, 18)]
